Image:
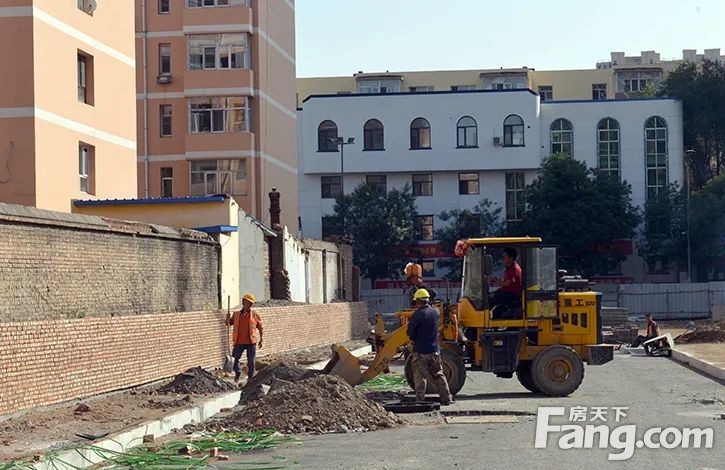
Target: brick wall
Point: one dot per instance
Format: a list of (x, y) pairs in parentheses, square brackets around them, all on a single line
[(55, 265), (51, 361)]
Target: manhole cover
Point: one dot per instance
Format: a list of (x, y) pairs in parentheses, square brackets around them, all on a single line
[(412, 406)]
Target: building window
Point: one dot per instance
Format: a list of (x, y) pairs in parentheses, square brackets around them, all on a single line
[(373, 135), (327, 136), (513, 131), (655, 136), (468, 183), (378, 181), (463, 87), (164, 59), (330, 227), (562, 137), (423, 185), (514, 196), (330, 187), (167, 182), (86, 166), (419, 134), (210, 177), (546, 93), (218, 51), (215, 3), (85, 78), (608, 146), (164, 6), (218, 114), (428, 268), (420, 89), (467, 132), (165, 115), (424, 227), (378, 86), (599, 91)]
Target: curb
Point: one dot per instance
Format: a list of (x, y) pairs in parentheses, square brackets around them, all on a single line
[(356, 352), (707, 368), (74, 459)]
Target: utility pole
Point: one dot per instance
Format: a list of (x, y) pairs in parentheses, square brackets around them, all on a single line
[(690, 155), (341, 142)]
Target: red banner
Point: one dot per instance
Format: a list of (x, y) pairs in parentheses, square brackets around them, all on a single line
[(612, 279), (430, 250), (399, 284)]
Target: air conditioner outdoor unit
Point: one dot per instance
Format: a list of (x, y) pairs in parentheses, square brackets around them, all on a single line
[(90, 6), (164, 78), (497, 141)]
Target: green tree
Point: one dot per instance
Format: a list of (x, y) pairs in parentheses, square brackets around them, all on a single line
[(707, 222), (379, 223), (483, 220), (663, 237), (701, 87), (582, 211)]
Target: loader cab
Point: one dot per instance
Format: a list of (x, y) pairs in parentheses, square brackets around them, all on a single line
[(483, 261)]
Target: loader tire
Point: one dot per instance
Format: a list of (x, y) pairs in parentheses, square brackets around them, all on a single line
[(557, 371), (523, 373), (453, 368)]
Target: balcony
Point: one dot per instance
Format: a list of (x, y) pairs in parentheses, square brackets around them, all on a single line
[(196, 18), (220, 78)]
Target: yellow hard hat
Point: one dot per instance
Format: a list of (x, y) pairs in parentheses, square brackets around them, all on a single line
[(421, 294), (249, 297)]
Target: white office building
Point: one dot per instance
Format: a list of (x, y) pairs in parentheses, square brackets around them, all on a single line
[(456, 148)]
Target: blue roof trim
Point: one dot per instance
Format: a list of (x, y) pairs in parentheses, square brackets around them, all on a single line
[(410, 93), (159, 200), (218, 229), (612, 100)]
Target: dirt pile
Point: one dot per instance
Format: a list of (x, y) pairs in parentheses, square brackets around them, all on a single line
[(197, 380), (319, 404), (712, 333), (271, 377)]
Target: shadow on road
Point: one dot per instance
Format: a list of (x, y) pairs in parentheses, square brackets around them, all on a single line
[(499, 396)]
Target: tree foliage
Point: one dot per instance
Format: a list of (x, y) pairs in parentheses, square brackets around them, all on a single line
[(483, 220), (663, 237), (582, 211), (379, 223), (701, 87)]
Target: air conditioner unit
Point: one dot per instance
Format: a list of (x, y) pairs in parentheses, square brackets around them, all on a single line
[(164, 78), (90, 6), (497, 141)]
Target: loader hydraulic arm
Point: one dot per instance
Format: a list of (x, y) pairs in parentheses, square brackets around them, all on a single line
[(397, 339)]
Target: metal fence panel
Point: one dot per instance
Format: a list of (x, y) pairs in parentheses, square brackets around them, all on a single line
[(669, 301)]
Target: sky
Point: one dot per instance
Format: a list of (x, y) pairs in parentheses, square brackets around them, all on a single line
[(342, 37)]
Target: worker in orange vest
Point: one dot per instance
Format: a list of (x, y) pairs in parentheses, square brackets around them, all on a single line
[(246, 322)]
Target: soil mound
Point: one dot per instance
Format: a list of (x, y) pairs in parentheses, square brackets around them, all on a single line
[(272, 377), (319, 404), (197, 380), (713, 333)]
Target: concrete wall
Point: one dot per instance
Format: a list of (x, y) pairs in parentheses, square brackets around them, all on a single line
[(295, 262), (55, 265), (253, 258), (52, 361)]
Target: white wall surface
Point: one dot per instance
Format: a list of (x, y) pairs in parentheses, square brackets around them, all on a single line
[(251, 257)]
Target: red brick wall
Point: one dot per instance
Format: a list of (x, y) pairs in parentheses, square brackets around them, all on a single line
[(52, 361)]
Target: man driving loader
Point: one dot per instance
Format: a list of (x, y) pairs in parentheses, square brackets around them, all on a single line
[(426, 359), (511, 286)]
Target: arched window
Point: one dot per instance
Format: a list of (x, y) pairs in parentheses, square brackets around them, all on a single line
[(562, 137), (608, 147), (467, 130), (513, 131), (655, 138), (373, 135), (327, 136), (419, 134)]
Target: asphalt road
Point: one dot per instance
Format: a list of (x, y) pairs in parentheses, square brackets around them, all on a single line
[(656, 391)]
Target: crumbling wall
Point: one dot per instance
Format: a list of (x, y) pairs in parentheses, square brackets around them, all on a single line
[(52, 361), (253, 258), (57, 265)]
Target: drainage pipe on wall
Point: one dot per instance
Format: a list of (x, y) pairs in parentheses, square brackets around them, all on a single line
[(145, 103)]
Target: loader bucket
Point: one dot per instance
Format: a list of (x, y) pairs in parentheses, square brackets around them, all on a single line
[(344, 365)]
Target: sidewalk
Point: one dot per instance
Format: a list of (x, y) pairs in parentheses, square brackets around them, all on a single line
[(708, 359)]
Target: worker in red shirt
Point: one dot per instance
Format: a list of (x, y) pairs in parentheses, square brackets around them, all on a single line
[(246, 323), (511, 286)]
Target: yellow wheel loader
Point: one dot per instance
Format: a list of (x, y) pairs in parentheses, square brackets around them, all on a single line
[(544, 339)]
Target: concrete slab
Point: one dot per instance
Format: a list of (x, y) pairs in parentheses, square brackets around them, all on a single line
[(74, 459), (714, 370)]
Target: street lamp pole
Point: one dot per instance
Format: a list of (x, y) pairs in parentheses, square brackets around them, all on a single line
[(690, 154), (340, 141)]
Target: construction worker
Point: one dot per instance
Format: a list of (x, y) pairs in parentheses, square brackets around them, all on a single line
[(246, 323), (417, 283), (426, 359), (653, 331)]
